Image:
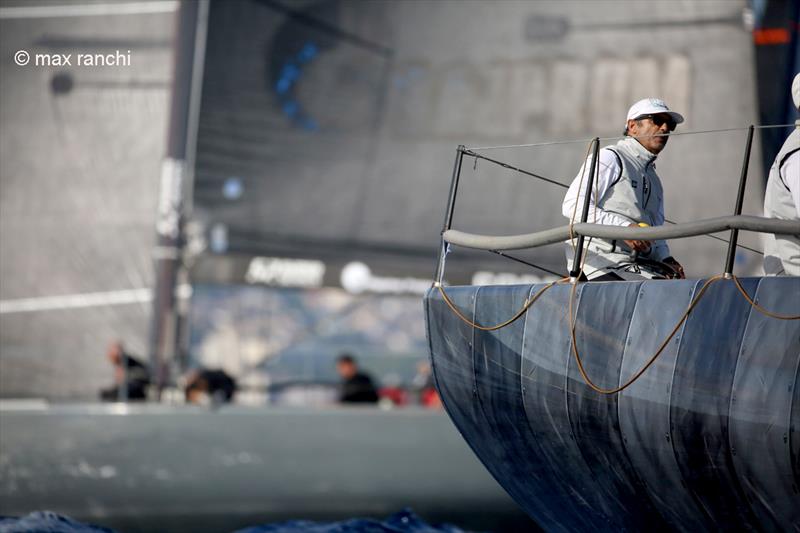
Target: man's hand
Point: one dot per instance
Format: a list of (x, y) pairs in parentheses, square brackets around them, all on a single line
[(638, 246), (674, 265)]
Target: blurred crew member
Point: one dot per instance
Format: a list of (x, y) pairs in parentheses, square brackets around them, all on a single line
[(129, 374), (423, 382), (357, 387), (627, 192), (209, 387), (782, 200)]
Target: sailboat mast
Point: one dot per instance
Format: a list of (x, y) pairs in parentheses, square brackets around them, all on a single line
[(177, 174)]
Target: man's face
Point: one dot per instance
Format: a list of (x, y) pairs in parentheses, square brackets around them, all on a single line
[(114, 353), (346, 370), (651, 131)]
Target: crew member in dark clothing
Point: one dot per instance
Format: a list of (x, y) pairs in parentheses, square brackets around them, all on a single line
[(129, 373), (214, 386), (357, 387)]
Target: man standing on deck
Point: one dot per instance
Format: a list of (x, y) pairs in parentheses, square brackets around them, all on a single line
[(627, 192), (357, 386), (782, 200)]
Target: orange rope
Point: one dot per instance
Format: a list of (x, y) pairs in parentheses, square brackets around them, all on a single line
[(518, 314), (582, 370), (695, 300), (573, 322), (573, 319), (758, 307)]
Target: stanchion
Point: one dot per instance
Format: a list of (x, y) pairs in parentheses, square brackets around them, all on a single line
[(576, 263), (448, 217), (739, 202)]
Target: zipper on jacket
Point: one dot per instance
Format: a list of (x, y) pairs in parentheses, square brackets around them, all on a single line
[(644, 182)]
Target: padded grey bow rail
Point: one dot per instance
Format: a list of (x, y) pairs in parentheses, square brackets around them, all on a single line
[(675, 231)]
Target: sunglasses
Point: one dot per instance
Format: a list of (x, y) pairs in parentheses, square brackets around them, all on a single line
[(658, 120)]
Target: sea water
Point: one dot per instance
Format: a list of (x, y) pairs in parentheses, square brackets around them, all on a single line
[(404, 521)]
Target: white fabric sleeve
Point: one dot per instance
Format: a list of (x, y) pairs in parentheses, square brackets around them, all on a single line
[(609, 170), (790, 172)]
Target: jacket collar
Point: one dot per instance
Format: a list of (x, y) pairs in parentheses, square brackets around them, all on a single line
[(639, 151)]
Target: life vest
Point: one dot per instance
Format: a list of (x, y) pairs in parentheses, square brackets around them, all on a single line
[(636, 194), (782, 252)]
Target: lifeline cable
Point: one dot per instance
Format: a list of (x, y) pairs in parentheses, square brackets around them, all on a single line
[(552, 181), (575, 141), (518, 260), (573, 318)]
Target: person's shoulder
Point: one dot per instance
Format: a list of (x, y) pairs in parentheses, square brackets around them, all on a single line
[(609, 157), (362, 377), (133, 361), (790, 169), (793, 140)]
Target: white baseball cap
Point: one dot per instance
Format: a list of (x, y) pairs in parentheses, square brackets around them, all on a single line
[(796, 91), (652, 106)]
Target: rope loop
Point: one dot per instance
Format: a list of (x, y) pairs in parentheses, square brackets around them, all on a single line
[(573, 322), (528, 303), (638, 374), (758, 307)]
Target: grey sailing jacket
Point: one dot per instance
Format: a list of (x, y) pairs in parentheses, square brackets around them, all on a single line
[(782, 252), (633, 194)]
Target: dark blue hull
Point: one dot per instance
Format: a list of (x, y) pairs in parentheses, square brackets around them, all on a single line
[(706, 439)]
